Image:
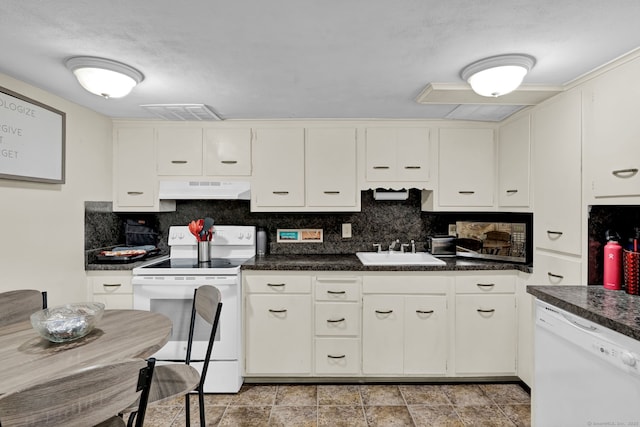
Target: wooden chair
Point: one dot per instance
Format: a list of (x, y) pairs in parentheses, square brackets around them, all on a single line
[(171, 381), (18, 306), (89, 397)]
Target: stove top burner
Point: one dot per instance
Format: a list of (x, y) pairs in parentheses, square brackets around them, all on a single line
[(192, 263)]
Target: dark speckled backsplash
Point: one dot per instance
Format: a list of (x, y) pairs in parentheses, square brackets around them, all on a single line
[(378, 222), (622, 219)]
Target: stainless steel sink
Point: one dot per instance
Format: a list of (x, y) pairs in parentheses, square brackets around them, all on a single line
[(398, 258)]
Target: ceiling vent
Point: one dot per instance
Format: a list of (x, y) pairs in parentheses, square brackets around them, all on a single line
[(184, 112)]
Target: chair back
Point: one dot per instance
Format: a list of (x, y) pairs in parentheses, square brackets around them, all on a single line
[(207, 303), (81, 399), (18, 306)]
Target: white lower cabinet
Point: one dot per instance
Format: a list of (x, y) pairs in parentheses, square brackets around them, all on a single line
[(405, 324), (112, 288), (486, 325), (380, 324), (278, 325)]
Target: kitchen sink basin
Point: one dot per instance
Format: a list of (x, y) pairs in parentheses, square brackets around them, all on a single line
[(398, 258)]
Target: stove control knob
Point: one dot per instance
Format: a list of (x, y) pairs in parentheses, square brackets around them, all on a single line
[(628, 358), (240, 235), (248, 237)]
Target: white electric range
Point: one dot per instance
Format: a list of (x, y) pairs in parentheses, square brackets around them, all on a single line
[(166, 285)]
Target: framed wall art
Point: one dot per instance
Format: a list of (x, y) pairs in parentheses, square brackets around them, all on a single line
[(32, 139)]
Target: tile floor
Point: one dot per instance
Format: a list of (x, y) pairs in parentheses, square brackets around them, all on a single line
[(356, 405)]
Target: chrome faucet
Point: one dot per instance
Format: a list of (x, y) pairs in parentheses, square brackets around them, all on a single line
[(393, 245), (379, 246), (413, 246), (403, 246)]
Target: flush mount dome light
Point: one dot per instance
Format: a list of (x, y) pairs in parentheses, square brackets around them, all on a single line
[(497, 75), (104, 77)]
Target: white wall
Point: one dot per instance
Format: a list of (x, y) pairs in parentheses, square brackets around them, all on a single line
[(42, 225)]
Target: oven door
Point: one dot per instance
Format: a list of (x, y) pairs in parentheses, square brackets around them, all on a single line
[(173, 297)]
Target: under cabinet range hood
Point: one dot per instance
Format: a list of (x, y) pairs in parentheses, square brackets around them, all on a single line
[(205, 190)]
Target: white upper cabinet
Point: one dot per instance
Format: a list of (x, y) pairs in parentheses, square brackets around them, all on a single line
[(466, 167), (179, 151), (330, 167), (134, 174), (612, 133), (278, 174), (514, 163), (557, 146), (397, 154), (227, 152)]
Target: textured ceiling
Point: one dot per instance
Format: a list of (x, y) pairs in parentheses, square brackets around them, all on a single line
[(305, 58)]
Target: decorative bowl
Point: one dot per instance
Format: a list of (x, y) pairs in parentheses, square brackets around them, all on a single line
[(67, 322)]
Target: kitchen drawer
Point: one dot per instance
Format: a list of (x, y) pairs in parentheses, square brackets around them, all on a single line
[(485, 284), (337, 288), (337, 319), (554, 270), (336, 356), (405, 283), (278, 284), (112, 284)]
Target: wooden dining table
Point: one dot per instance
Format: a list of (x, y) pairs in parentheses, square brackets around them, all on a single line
[(26, 357)]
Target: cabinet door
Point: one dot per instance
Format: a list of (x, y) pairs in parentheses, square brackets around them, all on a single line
[(382, 334), (179, 151), (485, 334), (227, 152), (330, 161), (278, 334), (134, 168), (337, 356), (513, 163), (426, 334), (381, 154), (556, 135), (278, 168), (466, 167), (413, 154), (113, 289), (555, 270), (612, 143)]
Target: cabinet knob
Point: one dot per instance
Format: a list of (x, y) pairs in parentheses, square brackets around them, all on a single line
[(282, 310), (485, 285), (331, 356), (337, 292), (229, 162), (512, 191), (412, 167), (554, 276), (424, 311), (179, 162), (554, 234), (281, 193), (467, 192), (135, 193), (331, 192), (481, 310), (384, 311), (336, 320), (381, 167)]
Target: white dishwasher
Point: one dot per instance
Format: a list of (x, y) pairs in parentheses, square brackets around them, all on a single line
[(585, 374)]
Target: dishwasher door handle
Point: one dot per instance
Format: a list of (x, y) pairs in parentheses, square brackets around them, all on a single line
[(580, 325)]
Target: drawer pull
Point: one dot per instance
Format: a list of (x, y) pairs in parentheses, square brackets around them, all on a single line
[(112, 285), (625, 173), (480, 310), (381, 167), (179, 162), (281, 193), (331, 356), (555, 233), (512, 191), (135, 193), (466, 192), (283, 310), (424, 311), (384, 311), (331, 192), (275, 285), (412, 167), (336, 320), (229, 162), (555, 276), (337, 292), (485, 285)]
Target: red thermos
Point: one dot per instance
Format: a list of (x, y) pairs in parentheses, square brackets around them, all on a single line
[(612, 263)]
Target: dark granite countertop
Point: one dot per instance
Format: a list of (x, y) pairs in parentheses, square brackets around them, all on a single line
[(615, 310), (350, 262), (122, 266)]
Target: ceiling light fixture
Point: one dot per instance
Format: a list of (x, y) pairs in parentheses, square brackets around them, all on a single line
[(497, 75), (104, 77)]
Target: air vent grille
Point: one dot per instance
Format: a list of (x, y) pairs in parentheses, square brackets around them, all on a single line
[(183, 112)]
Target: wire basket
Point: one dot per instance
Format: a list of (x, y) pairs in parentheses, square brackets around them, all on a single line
[(631, 266)]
